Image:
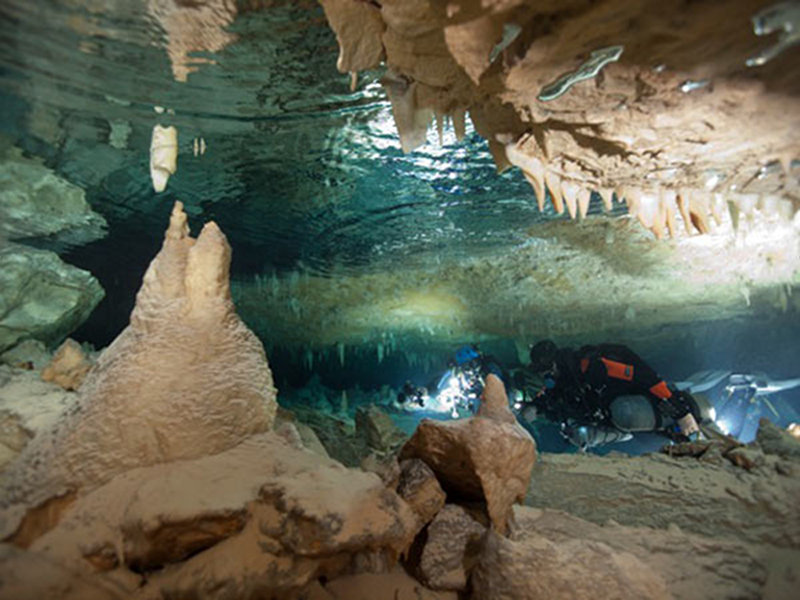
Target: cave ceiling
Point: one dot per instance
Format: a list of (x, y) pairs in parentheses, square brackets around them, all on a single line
[(454, 171)]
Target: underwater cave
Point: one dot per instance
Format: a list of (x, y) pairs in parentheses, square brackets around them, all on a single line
[(344, 299)]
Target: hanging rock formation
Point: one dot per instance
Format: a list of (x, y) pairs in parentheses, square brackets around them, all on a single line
[(185, 379), (667, 108)]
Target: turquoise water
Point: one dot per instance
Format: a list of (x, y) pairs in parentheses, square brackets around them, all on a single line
[(306, 178)]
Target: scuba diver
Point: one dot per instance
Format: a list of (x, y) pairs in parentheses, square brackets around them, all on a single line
[(412, 394), (603, 394), (741, 399), (456, 391)]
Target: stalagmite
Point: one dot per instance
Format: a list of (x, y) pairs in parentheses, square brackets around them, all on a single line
[(652, 212), (700, 208), (185, 379), (733, 211), (358, 27), (163, 156)]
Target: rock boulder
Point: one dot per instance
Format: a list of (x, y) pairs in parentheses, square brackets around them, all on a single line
[(774, 440), (485, 457), (262, 518), (36, 202), (419, 487), (41, 297), (535, 567), (69, 366), (454, 541)]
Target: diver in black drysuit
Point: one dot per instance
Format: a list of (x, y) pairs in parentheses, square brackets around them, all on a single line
[(597, 392)]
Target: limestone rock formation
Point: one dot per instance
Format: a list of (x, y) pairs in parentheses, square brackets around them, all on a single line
[(377, 428), (35, 202), (419, 487), (535, 567), (494, 401), (478, 458), (716, 499), (29, 407), (185, 379), (774, 440), (261, 518), (454, 542), (582, 101), (28, 354), (41, 297), (69, 366), (680, 562)]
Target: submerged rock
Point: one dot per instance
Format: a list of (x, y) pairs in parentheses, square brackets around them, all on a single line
[(377, 428), (535, 567), (29, 407), (774, 440), (718, 499), (454, 542), (41, 297), (258, 520), (69, 366), (394, 585), (35, 202), (185, 379), (419, 487), (654, 562), (336, 435), (29, 354), (479, 458), (33, 576)]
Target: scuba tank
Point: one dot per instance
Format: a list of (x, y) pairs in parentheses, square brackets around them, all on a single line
[(589, 436)]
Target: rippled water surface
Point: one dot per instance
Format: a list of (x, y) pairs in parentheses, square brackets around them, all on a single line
[(299, 170)]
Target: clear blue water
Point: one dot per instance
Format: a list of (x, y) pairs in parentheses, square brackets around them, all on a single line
[(302, 174)]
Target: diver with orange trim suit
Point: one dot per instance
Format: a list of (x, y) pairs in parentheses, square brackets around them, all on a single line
[(604, 393)]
